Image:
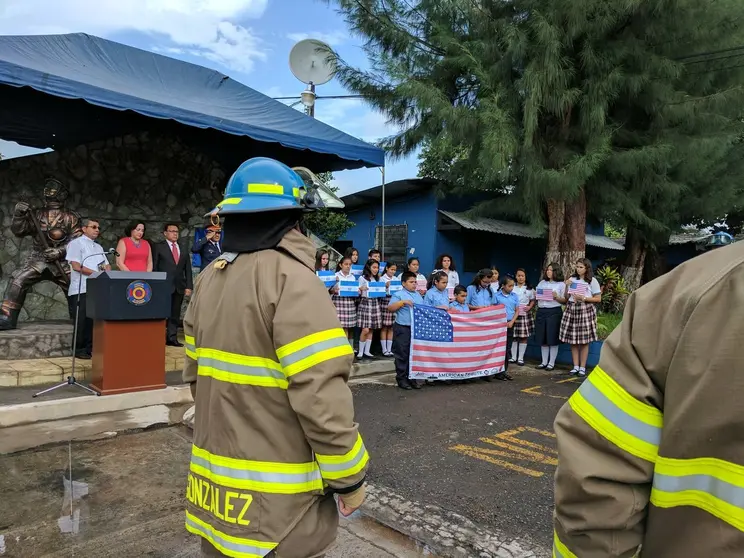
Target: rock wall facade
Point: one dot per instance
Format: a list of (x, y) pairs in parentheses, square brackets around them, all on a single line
[(152, 179)]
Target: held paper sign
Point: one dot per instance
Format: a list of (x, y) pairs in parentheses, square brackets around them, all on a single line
[(383, 265), (356, 270), (451, 293), (546, 295), (348, 288), (395, 286), (328, 278), (376, 289), (420, 284), (523, 309)]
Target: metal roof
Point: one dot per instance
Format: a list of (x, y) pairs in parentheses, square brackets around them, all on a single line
[(518, 229)]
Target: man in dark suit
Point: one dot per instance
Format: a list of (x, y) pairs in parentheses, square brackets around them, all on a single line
[(175, 260)]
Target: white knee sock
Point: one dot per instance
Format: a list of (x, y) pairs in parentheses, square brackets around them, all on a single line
[(514, 346), (553, 355), (362, 345), (545, 351), (388, 346), (522, 349), (368, 348)]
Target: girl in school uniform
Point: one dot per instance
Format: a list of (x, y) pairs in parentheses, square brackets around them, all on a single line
[(459, 304), (368, 315), (345, 305), (446, 263), (321, 260), (549, 315), (579, 322), (413, 266), (525, 324), (506, 296), (479, 291), (352, 253), (437, 295), (495, 281), (388, 318)]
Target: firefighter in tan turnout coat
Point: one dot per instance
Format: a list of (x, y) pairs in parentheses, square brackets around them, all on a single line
[(651, 446), (274, 432)]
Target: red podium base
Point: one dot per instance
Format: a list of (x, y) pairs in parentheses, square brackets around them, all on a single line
[(128, 356)]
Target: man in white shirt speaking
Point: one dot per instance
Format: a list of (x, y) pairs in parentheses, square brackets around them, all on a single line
[(86, 257)]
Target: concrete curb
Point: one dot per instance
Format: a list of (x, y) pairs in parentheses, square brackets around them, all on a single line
[(445, 533), (58, 409), (370, 368)]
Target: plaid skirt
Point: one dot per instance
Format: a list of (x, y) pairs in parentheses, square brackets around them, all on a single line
[(524, 326), (368, 315), (388, 317), (345, 310), (579, 324)]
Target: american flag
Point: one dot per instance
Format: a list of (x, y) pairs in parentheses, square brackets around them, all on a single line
[(523, 309), (457, 346), (546, 295), (578, 289)]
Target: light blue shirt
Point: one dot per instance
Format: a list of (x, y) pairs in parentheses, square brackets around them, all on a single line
[(435, 297), (480, 298), (459, 307), (510, 301), (403, 315)]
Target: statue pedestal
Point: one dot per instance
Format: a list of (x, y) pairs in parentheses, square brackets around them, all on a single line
[(33, 340)]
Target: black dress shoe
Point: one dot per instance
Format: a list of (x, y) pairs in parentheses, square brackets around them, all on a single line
[(174, 344), (415, 385), (487, 378), (405, 386), (508, 377), (83, 356), (501, 376), (541, 366)]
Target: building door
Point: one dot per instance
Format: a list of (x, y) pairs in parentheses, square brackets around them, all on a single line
[(396, 243)]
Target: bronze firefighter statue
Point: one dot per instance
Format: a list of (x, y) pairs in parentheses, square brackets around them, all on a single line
[(52, 227)]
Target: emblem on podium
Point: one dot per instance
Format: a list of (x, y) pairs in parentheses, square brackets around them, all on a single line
[(138, 293)]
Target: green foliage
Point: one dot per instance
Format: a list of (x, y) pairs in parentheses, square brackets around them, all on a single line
[(545, 99), (614, 291), (606, 323), (328, 225)]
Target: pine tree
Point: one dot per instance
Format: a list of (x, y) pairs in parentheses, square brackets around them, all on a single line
[(327, 224), (557, 103)]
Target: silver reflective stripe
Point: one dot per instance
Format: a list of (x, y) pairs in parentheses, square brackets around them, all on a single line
[(229, 545), (190, 347), (241, 368), (627, 423), (312, 349), (334, 467), (557, 553), (258, 476), (722, 490)]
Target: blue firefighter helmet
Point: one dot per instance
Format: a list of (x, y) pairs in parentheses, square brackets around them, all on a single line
[(261, 184)]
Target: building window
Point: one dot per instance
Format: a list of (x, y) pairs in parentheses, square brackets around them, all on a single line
[(396, 243), (476, 253)]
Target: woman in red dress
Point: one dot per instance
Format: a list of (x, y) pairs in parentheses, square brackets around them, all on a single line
[(134, 251)]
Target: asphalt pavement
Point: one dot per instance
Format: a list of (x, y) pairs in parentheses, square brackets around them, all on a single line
[(483, 450)]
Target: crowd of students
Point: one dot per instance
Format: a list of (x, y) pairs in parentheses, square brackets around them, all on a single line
[(550, 324)]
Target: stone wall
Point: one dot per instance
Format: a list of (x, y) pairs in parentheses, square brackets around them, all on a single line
[(141, 177)]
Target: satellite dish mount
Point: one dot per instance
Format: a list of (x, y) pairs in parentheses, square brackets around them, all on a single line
[(309, 63)]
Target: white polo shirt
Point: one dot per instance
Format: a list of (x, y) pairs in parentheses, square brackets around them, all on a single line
[(77, 251)]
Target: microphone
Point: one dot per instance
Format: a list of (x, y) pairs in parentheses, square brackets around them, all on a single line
[(113, 252)]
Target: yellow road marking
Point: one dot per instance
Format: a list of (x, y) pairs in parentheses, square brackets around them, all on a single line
[(485, 455), (535, 390)]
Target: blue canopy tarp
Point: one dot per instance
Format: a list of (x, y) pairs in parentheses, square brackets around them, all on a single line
[(70, 69)]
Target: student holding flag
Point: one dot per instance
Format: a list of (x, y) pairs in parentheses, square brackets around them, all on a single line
[(525, 324), (550, 291), (321, 260), (459, 304), (506, 296), (437, 294), (368, 316), (345, 305), (388, 318), (413, 266), (401, 304), (579, 323)]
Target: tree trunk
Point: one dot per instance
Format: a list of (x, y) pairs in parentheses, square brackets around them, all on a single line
[(655, 265), (634, 258), (566, 232)]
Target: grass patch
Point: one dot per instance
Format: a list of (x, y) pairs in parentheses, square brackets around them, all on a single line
[(606, 323)]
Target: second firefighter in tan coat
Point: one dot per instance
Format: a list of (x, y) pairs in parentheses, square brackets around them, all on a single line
[(651, 451), (274, 431)]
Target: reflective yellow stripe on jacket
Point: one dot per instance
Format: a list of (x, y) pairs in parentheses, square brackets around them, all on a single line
[(237, 547), (189, 346), (560, 550), (312, 350), (259, 476), (622, 419), (709, 484), (334, 467), (240, 369)]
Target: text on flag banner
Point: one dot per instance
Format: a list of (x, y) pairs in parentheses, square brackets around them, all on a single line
[(376, 289), (395, 286), (328, 277), (356, 270), (546, 295), (348, 288), (457, 346), (420, 284), (578, 289)]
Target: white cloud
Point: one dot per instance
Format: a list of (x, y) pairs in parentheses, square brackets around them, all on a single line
[(205, 28), (333, 38), (354, 117)]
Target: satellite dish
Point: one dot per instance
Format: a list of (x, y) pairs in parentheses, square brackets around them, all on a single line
[(309, 63)]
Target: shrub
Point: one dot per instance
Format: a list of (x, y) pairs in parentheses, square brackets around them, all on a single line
[(606, 323), (614, 291)]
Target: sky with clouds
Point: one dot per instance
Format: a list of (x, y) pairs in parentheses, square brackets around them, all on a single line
[(249, 40)]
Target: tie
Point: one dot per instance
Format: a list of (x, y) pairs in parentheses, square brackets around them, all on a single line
[(174, 251)]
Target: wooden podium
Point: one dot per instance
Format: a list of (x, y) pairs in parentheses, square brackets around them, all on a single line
[(129, 311)]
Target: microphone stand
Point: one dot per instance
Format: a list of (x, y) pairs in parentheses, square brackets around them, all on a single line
[(71, 381)]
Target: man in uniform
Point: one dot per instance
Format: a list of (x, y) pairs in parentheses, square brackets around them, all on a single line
[(208, 247), (650, 448), (268, 362), (46, 261)]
